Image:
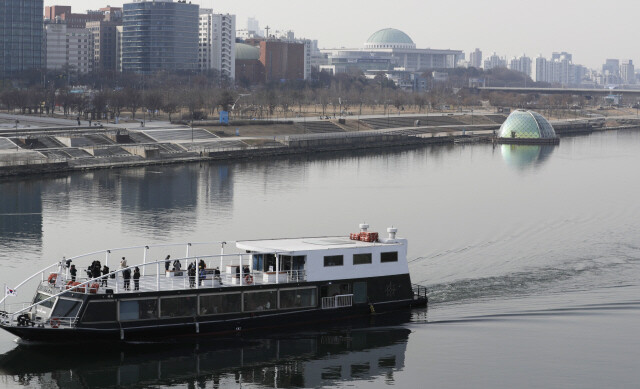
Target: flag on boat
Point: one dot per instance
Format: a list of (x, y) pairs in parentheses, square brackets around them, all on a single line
[(9, 292)]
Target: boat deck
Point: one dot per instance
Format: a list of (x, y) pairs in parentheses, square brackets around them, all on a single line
[(181, 281)]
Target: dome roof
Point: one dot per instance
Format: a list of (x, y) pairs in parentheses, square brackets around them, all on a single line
[(389, 38), (523, 124), (244, 51)]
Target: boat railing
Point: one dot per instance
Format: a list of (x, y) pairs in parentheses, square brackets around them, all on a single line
[(157, 282), (107, 253), (419, 291), (338, 301)]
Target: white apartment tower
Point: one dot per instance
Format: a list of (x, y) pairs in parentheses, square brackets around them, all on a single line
[(627, 72), (217, 43), (70, 48), (522, 65), (475, 59)]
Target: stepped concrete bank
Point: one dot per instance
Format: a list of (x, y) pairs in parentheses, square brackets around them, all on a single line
[(295, 147)]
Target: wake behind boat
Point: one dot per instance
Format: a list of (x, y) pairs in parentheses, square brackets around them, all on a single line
[(264, 284)]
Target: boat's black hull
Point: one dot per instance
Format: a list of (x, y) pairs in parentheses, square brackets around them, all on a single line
[(207, 327)]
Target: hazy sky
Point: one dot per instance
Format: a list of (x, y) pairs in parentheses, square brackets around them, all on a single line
[(590, 30)]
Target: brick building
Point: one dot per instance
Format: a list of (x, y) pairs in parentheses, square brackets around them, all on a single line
[(282, 60)]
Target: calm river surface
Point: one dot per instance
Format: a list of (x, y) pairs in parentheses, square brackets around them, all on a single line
[(531, 256)]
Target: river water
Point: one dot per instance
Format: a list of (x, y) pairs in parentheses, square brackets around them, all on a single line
[(531, 256)]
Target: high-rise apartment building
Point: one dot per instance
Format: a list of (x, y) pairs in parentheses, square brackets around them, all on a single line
[(253, 26), (217, 43), (559, 70), (21, 35), (627, 72), (475, 59), (611, 67), (104, 44), (159, 35), (55, 46), (494, 62), (521, 64), (68, 49)]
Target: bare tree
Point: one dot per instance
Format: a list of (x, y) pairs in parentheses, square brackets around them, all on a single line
[(133, 100)]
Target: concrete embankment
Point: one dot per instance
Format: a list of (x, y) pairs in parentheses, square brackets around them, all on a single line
[(289, 146), (119, 151)]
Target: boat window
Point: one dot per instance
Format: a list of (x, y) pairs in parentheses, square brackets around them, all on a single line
[(98, 311), (298, 298), (264, 262), (295, 262), (41, 296), (220, 303), (333, 260), (138, 309), (362, 259), (66, 308), (178, 306), (391, 256), (260, 301)]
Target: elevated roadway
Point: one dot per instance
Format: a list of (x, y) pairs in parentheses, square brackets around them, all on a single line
[(556, 91)]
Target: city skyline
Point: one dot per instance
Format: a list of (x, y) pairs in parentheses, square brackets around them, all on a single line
[(591, 32)]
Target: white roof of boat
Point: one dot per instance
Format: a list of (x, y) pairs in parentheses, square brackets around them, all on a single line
[(307, 244)]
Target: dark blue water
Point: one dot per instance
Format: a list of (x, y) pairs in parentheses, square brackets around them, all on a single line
[(531, 255)]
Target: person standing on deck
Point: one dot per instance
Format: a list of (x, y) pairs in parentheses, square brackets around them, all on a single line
[(126, 275), (167, 262), (191, 270), (105, 278), (136, 279), (73, 271)]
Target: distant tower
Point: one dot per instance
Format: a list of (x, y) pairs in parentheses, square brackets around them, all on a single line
[(475, 59)]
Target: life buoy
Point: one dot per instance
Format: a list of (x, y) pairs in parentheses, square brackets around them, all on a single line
[(52, 278), (54, 322), (248, 279), (93, 289)]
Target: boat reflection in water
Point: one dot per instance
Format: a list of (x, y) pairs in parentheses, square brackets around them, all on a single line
[(522, 156), (309, 359)]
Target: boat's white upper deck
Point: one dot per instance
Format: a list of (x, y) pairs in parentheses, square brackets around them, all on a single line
[(306, 244)]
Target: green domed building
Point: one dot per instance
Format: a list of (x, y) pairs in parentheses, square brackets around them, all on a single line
[(389, 38), (247, 52), (527, 127)]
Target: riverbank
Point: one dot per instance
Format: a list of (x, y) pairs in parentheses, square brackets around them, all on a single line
[(63, 149)]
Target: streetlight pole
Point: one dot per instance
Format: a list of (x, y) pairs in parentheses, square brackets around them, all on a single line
[(17, 147)]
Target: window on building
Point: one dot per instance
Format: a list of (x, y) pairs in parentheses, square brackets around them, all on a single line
[(178, 306), (298, 298), (260, 301), (220, 303), (391, 256), (362, 259), (333, 260)]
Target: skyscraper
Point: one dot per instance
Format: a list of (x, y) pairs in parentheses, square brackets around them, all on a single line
[(20, 36), (217, 49), (159, 35), (475, 59), (627, 72)]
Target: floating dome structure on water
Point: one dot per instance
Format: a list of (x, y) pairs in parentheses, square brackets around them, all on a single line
[(526, 127)]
